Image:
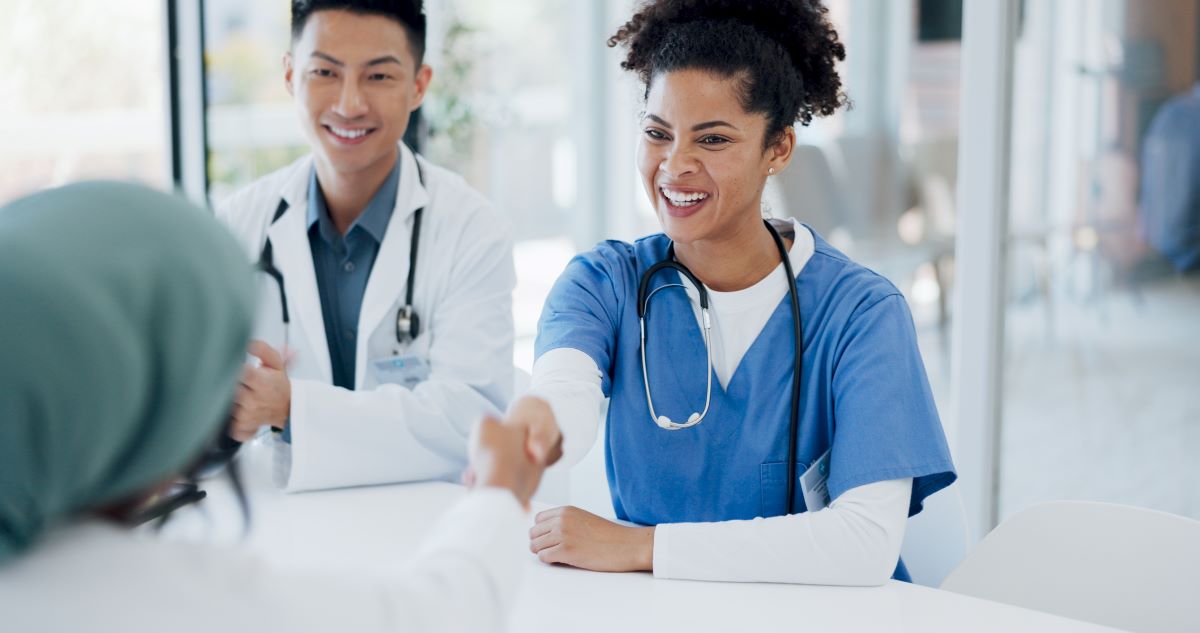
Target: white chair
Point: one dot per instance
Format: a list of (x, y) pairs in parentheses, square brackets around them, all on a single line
[(935, 540), (812, 191), (555, 489), (1114, 565)]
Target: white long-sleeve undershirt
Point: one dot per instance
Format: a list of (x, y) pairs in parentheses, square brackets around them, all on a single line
[(855, 541)]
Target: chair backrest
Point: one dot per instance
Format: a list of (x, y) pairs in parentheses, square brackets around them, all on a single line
[(934, 167), (1114, 565), (935, 540), (867, 165), (811, 191)]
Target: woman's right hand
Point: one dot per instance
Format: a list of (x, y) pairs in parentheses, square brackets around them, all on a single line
[(499, 459), (544, 441)]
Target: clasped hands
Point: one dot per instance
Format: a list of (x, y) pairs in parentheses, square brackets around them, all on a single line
[(566, 535), (511, 454)]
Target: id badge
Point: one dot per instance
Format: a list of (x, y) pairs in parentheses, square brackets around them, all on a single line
[(813, 484), (408, 370)]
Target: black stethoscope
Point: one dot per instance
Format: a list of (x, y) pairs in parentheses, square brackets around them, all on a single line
[(695, 418), (408, 325)]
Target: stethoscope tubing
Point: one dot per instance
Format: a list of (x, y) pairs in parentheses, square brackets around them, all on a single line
[(408, 325), (643, 310)]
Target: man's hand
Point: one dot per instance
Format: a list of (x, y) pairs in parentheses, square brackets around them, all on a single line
[(544, 440), (499, 460), (264, 396), (581, 539)]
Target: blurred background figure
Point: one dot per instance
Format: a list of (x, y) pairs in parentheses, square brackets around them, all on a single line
[(1171, 186)]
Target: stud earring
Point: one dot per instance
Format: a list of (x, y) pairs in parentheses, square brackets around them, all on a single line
[(771, 171)]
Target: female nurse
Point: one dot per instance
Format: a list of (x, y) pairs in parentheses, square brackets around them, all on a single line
[(700, 419)]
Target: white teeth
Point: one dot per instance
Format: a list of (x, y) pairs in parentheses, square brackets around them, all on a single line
[(347, 134), (682, 199)]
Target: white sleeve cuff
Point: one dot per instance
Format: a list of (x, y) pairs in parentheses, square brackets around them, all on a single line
[(854, 542), (569, 381)]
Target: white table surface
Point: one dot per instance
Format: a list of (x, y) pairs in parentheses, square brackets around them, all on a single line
[(376, 530)]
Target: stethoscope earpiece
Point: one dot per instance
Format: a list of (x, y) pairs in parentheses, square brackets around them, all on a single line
[(644, 297), (666, 423)]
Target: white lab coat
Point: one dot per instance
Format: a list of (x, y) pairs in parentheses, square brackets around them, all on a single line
[(97, 577), (382, 433)]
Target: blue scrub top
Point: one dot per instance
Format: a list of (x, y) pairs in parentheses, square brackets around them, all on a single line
[(864, 392)]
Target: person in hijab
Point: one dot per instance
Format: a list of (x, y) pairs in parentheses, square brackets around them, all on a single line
[(124, 316)]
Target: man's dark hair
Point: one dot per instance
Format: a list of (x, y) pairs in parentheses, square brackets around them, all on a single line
[(783, 52), (409, 13)]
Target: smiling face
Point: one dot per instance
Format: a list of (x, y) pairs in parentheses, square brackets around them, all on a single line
[(701, 156), (355, 80)]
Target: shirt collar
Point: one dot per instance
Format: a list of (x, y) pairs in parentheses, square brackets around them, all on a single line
[(374, 219)]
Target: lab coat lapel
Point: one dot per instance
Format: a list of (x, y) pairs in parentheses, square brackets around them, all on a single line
[(386, 285), (293, 257)]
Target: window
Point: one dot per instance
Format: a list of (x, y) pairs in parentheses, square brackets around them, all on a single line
[(95, 111), (252, 127), (504, 111), (1102, 357)]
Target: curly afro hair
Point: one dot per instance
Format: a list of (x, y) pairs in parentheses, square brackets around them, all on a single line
[(783, 51)]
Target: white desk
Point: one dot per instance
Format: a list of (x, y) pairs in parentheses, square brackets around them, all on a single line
[(376, 529)]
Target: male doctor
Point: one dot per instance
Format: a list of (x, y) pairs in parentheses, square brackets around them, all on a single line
[(386, 327)]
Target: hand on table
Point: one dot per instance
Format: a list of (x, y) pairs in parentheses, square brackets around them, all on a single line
[(264, 396), (579, 538)]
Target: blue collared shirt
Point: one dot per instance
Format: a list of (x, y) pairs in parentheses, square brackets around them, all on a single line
[(343, 264)]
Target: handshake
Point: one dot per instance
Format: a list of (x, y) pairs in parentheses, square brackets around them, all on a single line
[(514, 452)]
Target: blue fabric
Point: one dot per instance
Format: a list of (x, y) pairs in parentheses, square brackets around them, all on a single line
[(343, 265), (1171, 181), (864, 390)]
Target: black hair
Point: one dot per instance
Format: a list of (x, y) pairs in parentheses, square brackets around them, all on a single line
[(783, 52), (409, 13)]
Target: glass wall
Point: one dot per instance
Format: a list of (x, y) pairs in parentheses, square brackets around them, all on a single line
[(1100, 396), (95, 108), (503, 110), (251, 123), (878, 180)]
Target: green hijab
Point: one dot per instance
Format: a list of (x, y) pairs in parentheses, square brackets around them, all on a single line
[(124, 315)]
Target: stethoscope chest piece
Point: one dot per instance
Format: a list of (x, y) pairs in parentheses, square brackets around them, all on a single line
[(407, 325)]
